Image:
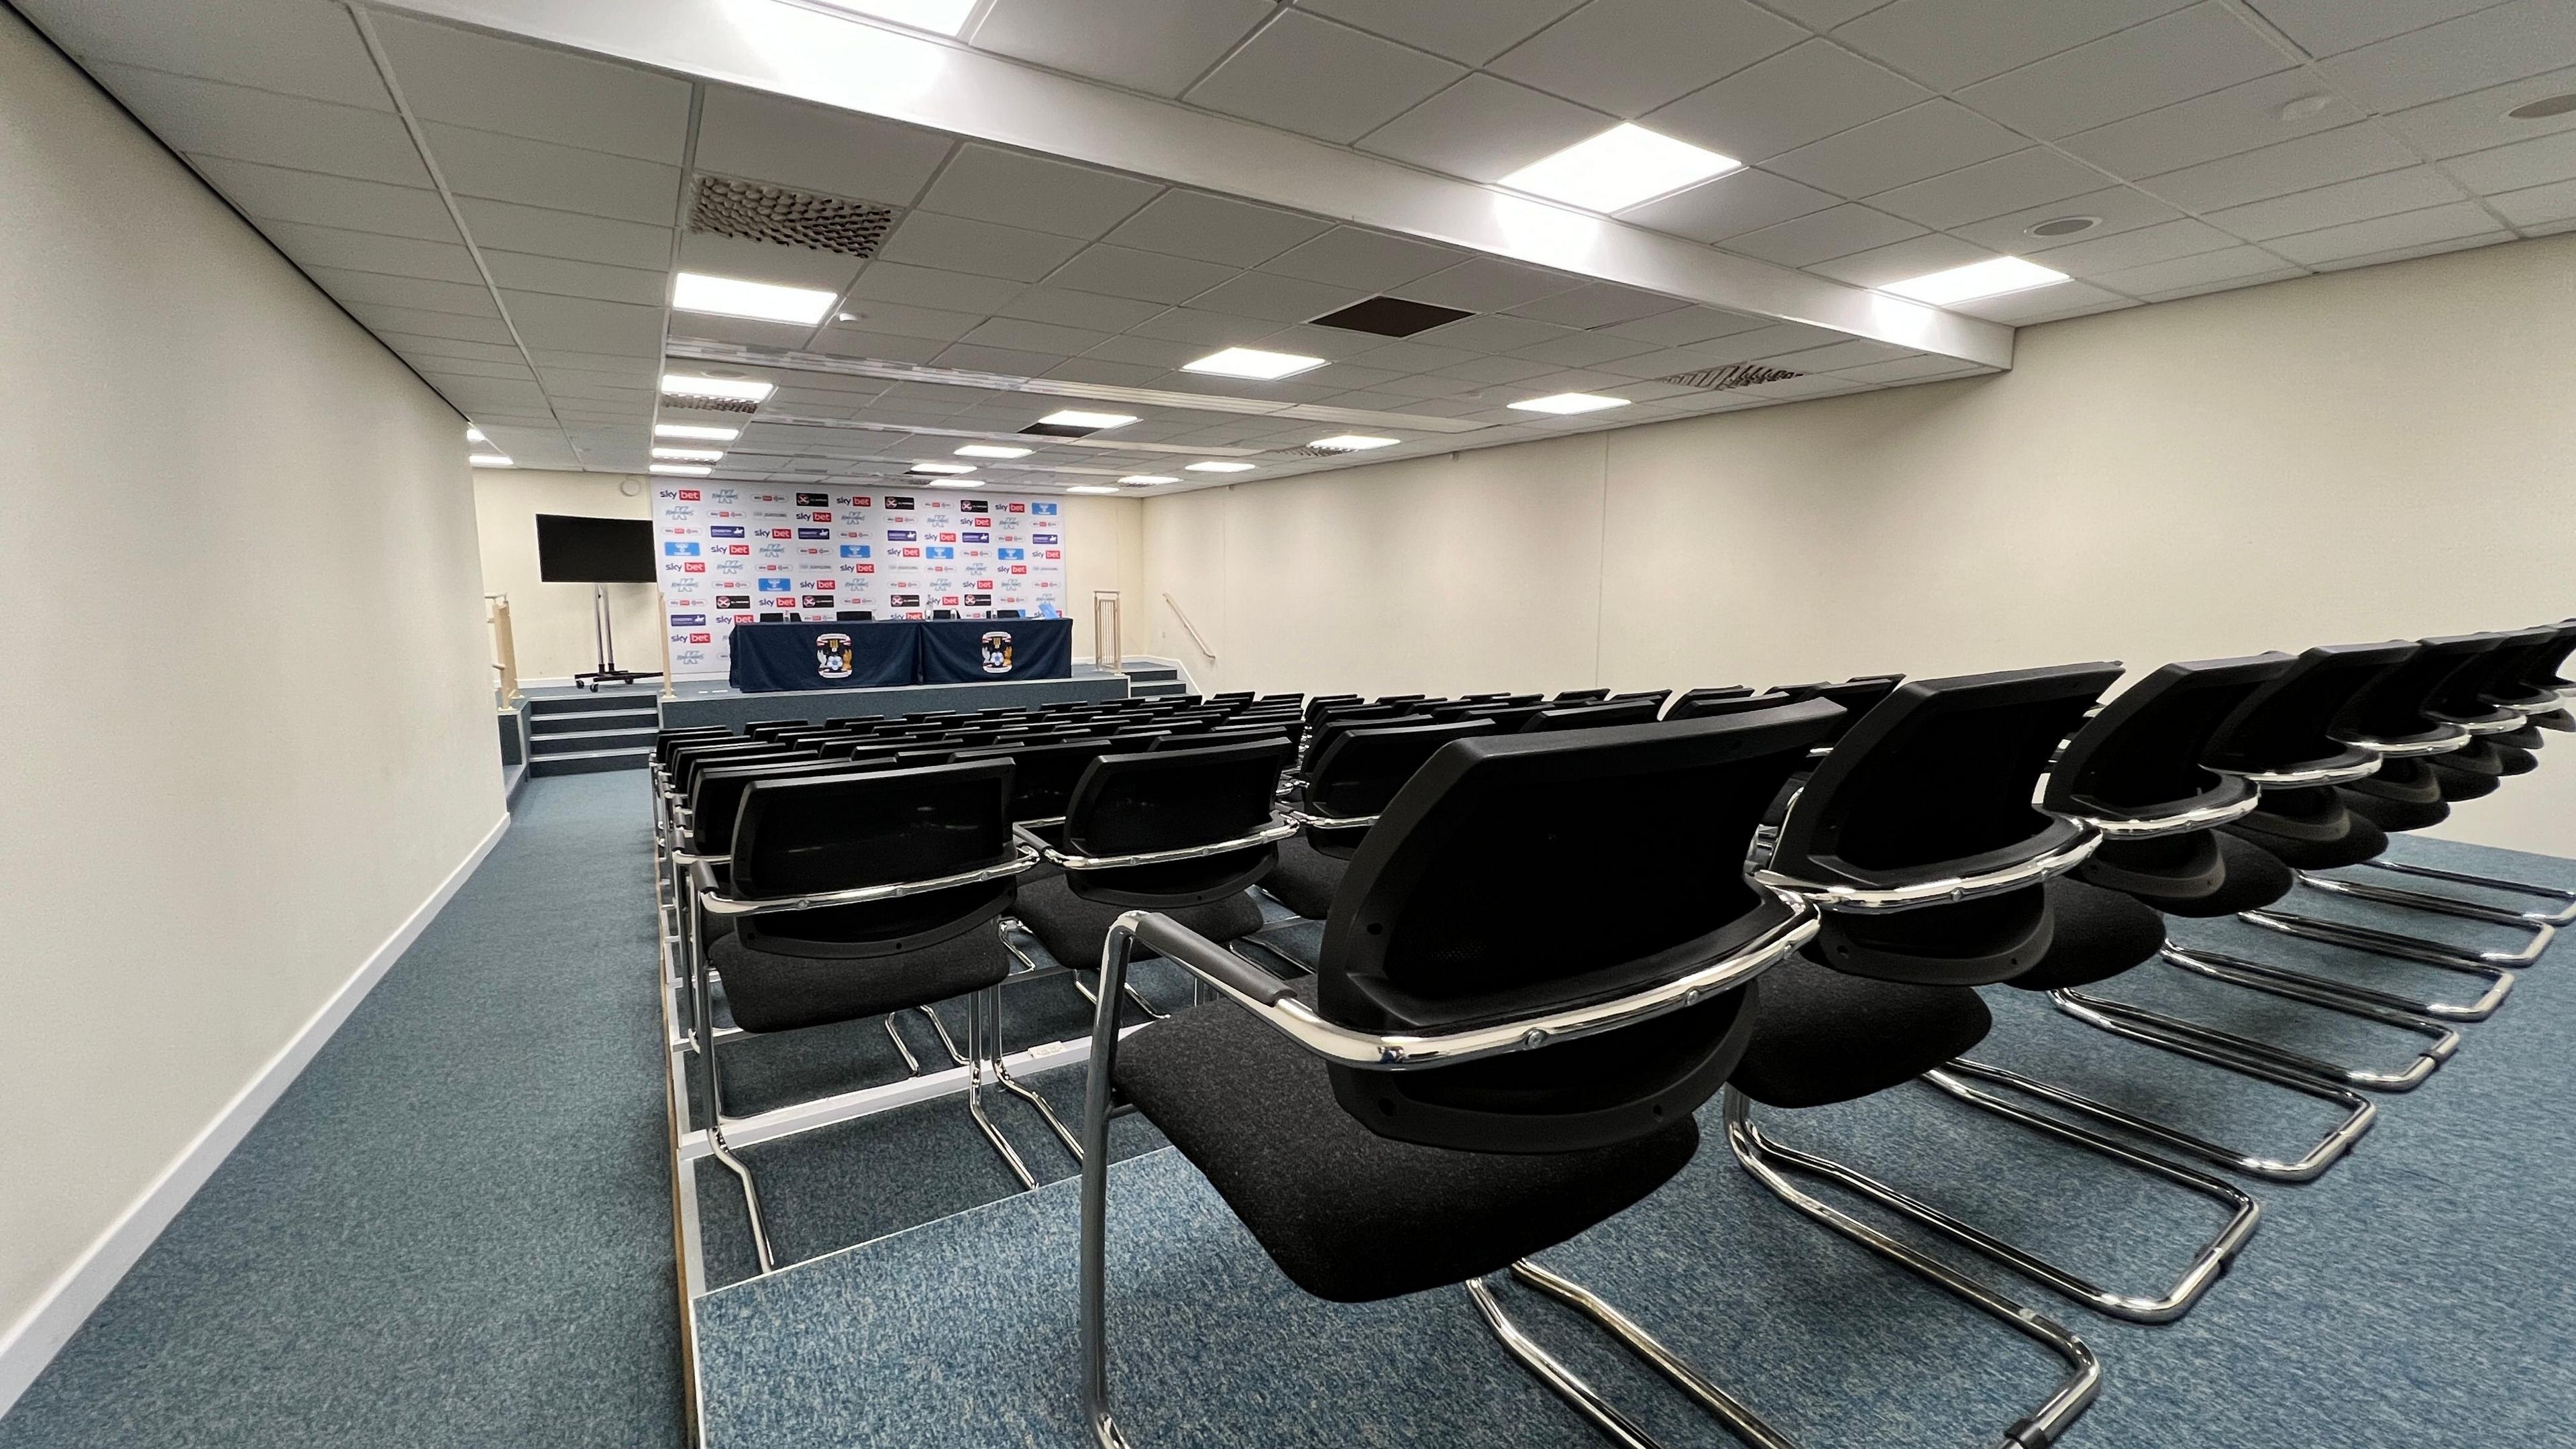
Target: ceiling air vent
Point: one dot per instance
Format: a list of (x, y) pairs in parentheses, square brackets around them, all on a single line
[(700, 402), (757, 212), (1734, 374)]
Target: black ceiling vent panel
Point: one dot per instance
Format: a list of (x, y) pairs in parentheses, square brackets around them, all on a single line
[(1733, 375), (1390, 317), (1058, 430), (753, 211)]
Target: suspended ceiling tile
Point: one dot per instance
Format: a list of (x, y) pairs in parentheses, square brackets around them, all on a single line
[(582, 325), (210, 118), (2524, 164), (1738, 202), (1219, 229), (1309, 75), (1371, 261), (2538, 206), (1803, 94), (1485, 128), (1628, 57), (1469, 34), (541, 231), (2121, 208), (982, 248), (1276, 298), (2481, 120), (359, 251), (2222, 123), (413, 320), (1156, 46), (2222, 265), (2158, 243), (1598, 304), (529, 273), (2174, 58), (2299, 165), (2366, 238), (1993, 188), (1687, 326), (756, 261), (1486, 284), (2504, 43), (1924, 140), (463, 299), (1126, 272), (470, 79), (1947, 44), (930, 287), (769, 138), (2046, 304), (540, 173), (1913, 257), (1068, 308), (2386, 194), (987, 183), (296, 47)]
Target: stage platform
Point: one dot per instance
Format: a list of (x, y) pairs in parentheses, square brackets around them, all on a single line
[(713, 702)]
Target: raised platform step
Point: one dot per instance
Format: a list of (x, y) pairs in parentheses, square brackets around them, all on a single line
[(542, 725), (542, 705), (1157, 688), (577, 741), (587, 761), (1150, 673)]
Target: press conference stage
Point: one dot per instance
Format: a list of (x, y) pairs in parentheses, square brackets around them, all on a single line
[(714, 702)]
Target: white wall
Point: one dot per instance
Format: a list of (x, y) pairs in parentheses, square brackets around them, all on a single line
[(2376, 453), (551, 623), (220, 807)]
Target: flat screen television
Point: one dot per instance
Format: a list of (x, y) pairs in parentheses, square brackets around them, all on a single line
[(574, 550)]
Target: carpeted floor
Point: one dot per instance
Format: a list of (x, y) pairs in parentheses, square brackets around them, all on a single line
[(455, 1228)]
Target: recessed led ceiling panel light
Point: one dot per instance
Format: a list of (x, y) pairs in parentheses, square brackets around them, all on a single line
[(1390, 317), (1095, 422), (697, 431), (940, 17), (1141, 479), (684, 470), (1253, 362), (1570, 402), (991, 450), (1990, 278), (761, 301), (943, 467), (1087, 488), (1213, 466), (491, 460), (475, 435), (1353, 443), (689, 455), (729, 388), (1619, 168)]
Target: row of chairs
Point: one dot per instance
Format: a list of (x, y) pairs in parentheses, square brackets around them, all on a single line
[(1546, 946)]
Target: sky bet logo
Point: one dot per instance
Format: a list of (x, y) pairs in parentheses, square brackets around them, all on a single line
[(725, 531), (680, 550), (854, 550)]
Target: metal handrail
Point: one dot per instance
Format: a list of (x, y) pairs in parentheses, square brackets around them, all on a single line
[(1195, 637)]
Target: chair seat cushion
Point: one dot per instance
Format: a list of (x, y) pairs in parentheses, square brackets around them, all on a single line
[(771, 992), (2358, 840), (1305, 878), (2396, 814), (1074, 929), (1820, 1036), (2100, 933), (1346, 1214)]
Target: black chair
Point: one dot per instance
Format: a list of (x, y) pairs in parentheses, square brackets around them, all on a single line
[(774, 618), (1008, 614), (2134, 772), (853, 616), (1336, 803), (1389, 1126), (1715, 703), (2318, 828), (1187, 832), (1918, 841), (855, 895), (1592, 716), (1686, 705), (1580, 696)]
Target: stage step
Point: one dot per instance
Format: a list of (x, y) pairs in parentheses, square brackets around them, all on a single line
[(584, 702), (585, 761), (1155, 681), (543, 725)]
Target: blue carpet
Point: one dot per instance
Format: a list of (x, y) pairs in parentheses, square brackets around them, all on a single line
[(2417, 1295), (455, 1227)]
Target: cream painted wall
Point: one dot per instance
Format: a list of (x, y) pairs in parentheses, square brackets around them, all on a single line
[(2373, 453), (551, 623), (250, 732), (1103, 540)]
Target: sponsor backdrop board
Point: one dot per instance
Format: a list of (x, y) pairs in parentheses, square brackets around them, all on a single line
[(730, 552)]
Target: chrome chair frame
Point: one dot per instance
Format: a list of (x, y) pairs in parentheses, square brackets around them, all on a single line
[(2208, 1262), (1275, 1005), (704, 900)]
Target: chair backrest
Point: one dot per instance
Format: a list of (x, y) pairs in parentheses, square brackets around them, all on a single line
[(2286, 724), (1365, 768), (2540, 671), (666, 741), (1507, 718), (2462, 698), (1592, 716), (1201, 739), (689, 758), (1324, 704), (1045, 774), (804, 836), (1939, 776), (1514, 875), (763, 728), (2141, 755), (716, 799), (1142, 802), (1320, 737), (1580, 696), (1859, 694), (1693, 703), (1656, 697), (2396, 704), (1716, 703)]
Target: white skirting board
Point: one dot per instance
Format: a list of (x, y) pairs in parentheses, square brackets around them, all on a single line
[(31, 1343)]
